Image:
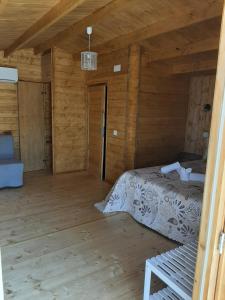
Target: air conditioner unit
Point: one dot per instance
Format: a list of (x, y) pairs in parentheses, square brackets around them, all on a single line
[(8, 75)]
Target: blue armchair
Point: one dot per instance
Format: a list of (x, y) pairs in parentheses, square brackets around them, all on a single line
[(11, 170)]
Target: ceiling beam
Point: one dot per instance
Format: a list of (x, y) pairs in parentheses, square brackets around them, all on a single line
[(200, 66), (167, 25), (57, 12), (78, 27), (185, 49)]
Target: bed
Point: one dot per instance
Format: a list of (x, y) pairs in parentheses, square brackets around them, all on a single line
[(161, 202)]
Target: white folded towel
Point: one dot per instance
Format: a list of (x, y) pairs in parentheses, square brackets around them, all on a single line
[(170, 168), (197, 177), (184, 173)]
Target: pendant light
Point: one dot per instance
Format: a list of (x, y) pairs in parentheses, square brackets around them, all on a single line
[(89, 58)]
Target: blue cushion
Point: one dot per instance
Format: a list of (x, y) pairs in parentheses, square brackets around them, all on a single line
[(6, 146), (11, 170), (11, 173)]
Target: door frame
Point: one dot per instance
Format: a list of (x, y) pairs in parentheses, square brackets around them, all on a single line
[(49, 84), (104, 139), (213, 211)]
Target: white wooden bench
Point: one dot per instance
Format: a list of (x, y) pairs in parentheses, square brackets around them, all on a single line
[(176, 268), (1, 280)]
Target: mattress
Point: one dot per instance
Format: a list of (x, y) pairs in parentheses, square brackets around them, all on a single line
[(161, 202)]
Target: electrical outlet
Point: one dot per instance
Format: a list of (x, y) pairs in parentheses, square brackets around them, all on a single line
[(115, 133), (116, 68)]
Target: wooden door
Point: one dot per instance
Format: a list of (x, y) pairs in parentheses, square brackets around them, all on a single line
[(31, 124), (210, 265), (96, 117)]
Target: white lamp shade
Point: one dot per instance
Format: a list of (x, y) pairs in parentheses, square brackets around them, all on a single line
[(89, 61)]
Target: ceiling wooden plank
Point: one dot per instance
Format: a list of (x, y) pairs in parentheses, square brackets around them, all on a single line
[(2, 5), (165, 26), (186, 49), (61, 9), (80, 26)]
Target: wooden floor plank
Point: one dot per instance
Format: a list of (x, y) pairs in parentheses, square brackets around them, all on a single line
[(56, 245)]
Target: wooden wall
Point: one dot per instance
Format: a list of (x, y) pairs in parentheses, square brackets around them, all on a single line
[(132, 104), (201, 92), (28, 64), (163, 102), (69, 114), (161, 109), (117, 84), (46, 66), (69, 105), (29, 67)]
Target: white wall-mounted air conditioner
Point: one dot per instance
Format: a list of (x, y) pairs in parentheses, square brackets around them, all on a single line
[(8, 75)]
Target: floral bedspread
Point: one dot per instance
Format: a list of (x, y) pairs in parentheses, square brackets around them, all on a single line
[(162, 202)]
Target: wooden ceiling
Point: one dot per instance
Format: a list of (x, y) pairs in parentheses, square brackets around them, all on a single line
[(203, 36), (18, 15), (165, 28)]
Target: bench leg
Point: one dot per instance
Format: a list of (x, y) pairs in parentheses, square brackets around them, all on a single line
[(147, 284)]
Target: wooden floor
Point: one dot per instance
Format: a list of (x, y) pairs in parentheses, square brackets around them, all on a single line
[(56, 245)]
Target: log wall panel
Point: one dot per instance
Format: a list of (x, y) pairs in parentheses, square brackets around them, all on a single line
[(46, 66), (162, 115), (117, 84), (132, 104), (69, 114), (201, 92), (28, 64)]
